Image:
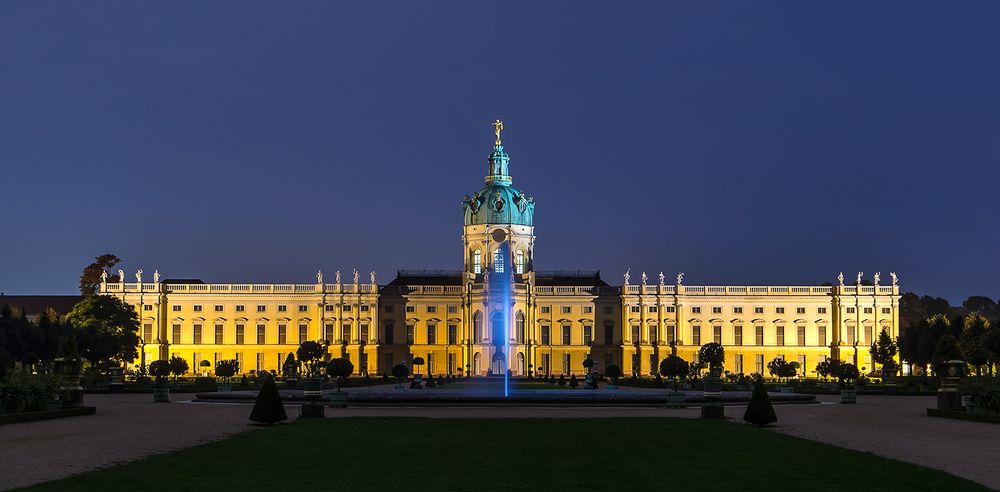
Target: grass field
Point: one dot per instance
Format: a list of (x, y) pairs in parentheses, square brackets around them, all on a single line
[(513, 454)]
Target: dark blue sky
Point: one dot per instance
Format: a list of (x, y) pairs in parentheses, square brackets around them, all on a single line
[(739, 142)]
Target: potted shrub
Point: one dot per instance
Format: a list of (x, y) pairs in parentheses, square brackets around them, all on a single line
[(613, 372), (848, 392), (400, 371), (339, 369), (160, 369), (675, 368), (178, 367), (205, 365), (225, 370), (417, 378), (290, 370)]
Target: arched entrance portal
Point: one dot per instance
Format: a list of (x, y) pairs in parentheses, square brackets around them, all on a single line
[(498, 364)]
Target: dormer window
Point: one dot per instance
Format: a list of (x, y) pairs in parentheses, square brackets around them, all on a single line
[(477, 262)]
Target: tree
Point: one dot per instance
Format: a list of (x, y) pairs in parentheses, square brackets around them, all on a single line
[(573, 383), (883, 352), (847, 372), (613, 372), (226, 369), (417, 361), (91, 276), (946, 349), (970, 342), (339, 369), (823, 369), (178, 366), (268, 409), (311, 354), (400, 371), (674, 367), (759, 411), (562, 380), (712, 354), (159, 369), (991, 342), (980, 304), (781, 368), (107, 329), (588, 364)]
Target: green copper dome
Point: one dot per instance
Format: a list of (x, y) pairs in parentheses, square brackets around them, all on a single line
[(499, 202)]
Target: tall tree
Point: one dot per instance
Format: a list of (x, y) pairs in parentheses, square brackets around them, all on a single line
[(107, 329), (883, 353), (91, 276), (980, 304), (970, 342)]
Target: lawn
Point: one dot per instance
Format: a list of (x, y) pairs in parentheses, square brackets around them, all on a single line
[(513, 454)]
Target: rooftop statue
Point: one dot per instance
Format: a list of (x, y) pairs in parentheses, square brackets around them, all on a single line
[(877, 277), (860, 274), (355, 276), (627, 276), (373, 277), (156, 276), (661, 278), (643, 278), (319, 276), (840, 278), (121, 276), (104, 276), (338, 276), (680, 278), (895, 279), (138, 276)]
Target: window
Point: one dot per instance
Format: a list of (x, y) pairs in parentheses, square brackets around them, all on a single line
[(345, 332), (717, 334), (886, 310), (303, 333), (261, 308), (347, 308), (364, 332), (545, 335), (758, 310), (802, 365), (850, 336), (431, 333), (261, 334), (390, 308), (260, 362), (452, 309), (670, 309), (716, 310), (636, 309), (147, 332), (636, 335), (409, 334), (738, 335), (411, 309), (389, 328), (328, 308), (653, 309), (196, 334), (868, 310), (545, 310), (432, 309), (303, 308), (801, 335), (821, 310), (800, 310), (218, 308), (671, 333), (240, 308), (821, 338), (850, 310), (759, 363), (588, 334), (609, 309), (609, 333), (737, 310), (175, 333), (696, 310), (739, 363), (519, 262), (240, 334), (477, 261), (282, 334), (282, 308), (868, 335), (758, 332), (566, 364), (147, 307), (453, 334), (519, 327), (779, 310), (197, 308), (218, 334), (566, 333), (175, 307), (567, 309), (497, 261), (779, 334), (328, 332), (696, 335), (477, 326), (588, 309)]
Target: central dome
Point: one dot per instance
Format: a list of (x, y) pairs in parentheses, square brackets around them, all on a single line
[(498, 202)]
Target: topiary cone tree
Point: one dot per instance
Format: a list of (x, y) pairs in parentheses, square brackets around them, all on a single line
[(268, 408), (760, 412)]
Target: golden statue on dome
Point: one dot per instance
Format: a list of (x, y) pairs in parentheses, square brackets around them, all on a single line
[(498, 125)]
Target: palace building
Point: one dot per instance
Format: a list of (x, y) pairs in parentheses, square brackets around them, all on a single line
[(500, 313)]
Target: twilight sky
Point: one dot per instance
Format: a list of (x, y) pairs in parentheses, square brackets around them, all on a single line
[(739, 142)]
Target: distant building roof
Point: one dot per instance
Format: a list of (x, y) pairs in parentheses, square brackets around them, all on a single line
[(427, 277), (569, 277), (35, 305)]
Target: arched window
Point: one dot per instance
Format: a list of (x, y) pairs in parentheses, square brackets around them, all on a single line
[(497, 261), (477, 262), (519, 263), (519, 327), (477, 327)]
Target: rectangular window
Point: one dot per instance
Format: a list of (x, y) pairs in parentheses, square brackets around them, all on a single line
[(670, 309), (759, 363), (588, 334), (147, 332), (653, 309), (390, 308), (452, 309), (240, 308), (260, 362), (432, 309), (261, 334), (566, 364), (779, 310), (588, 309), (175, 307), (886, 310), (801, 335), (147, 307), (175, 334), (545, 309), (411, 309), (567, 309), (636, 335), (696, 310), (738, 335), (738, 364), (282, 334), (364, 332), (779, 335), (850, 336), (303, 333), (737, 310), (717, 334), (716, 310), (636, 309), (218, 334), (565, 334), (696, 335), (850, 310), (452, 334), (671, 334), (364, 308), (868, 310), (868, 335), (802, 365), (197, 308), (758, 310), (800, 310), (389, 328), (218, 308), (545, 335), (261, 308), (758, 332), (196, 334), (409, 334), (821, 310), (452, 360), (821, 338), (431, 333), (303, 308), (282, 308), (240, 334), (345, 332), (609, 333), (328, 332), (652, 334), (328, 308), (346, 308)]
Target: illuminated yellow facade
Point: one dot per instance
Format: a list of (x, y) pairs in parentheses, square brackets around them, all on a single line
[(499, 313)]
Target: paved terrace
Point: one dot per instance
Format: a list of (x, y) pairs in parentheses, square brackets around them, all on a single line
[(129, 427)]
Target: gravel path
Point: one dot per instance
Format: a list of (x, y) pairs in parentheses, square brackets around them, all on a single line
[(128, 427)]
